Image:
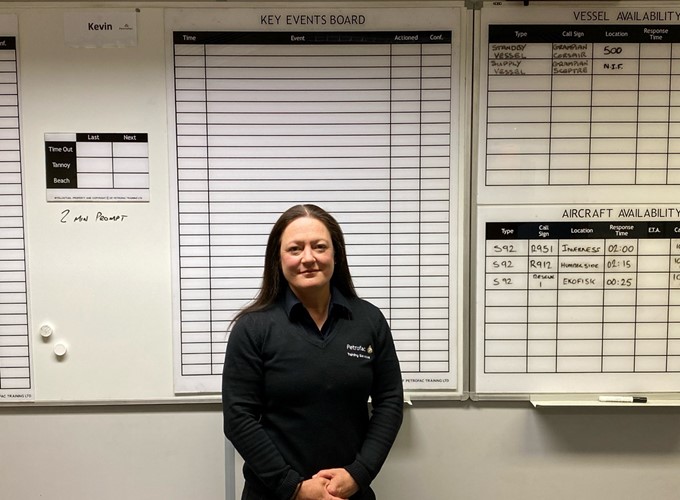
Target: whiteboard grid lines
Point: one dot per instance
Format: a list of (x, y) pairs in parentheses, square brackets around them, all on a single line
[(15, 361), (374, 194)]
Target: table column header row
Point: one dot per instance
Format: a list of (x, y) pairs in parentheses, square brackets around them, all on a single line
[(8, 43), (112, 137), (581, 230), (310, 38), (568, 33)]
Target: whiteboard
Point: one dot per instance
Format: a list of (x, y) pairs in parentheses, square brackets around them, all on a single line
[(101, 283), (100, 273), (575, 200), (354, 109)]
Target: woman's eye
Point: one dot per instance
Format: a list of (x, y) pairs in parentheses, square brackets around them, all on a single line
[(294, 250)]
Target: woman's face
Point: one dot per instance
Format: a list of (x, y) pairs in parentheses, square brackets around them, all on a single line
[(307, 255)]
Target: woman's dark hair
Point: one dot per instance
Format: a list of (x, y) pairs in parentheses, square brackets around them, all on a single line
[(273, 281)]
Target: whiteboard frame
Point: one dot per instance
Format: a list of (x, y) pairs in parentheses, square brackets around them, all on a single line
[(460, 180), (660, 398)]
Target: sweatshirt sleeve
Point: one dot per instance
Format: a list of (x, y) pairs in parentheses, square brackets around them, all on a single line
[(242, 400), (387, 401)]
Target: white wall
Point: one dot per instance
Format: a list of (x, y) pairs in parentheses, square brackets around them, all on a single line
[(460, 451), (130, 453), (512, 451)]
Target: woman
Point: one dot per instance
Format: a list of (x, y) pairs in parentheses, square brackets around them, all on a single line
[(302, 361)]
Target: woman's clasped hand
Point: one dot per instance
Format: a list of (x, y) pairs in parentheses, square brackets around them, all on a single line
[(328, 484)]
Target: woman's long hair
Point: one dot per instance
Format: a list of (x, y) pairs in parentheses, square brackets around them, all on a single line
[(273, 281)]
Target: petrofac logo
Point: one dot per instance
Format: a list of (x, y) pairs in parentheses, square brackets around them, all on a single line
[(358, 351)]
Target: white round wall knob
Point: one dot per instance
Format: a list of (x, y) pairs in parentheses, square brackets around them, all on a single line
[(60, 350), (46, 331)]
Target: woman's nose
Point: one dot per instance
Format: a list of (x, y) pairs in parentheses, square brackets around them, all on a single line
[(307, 254)]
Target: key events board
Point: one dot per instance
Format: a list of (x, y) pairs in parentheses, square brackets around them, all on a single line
[(358, 119)]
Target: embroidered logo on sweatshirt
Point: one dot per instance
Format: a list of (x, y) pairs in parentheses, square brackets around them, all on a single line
[(359, 351)]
